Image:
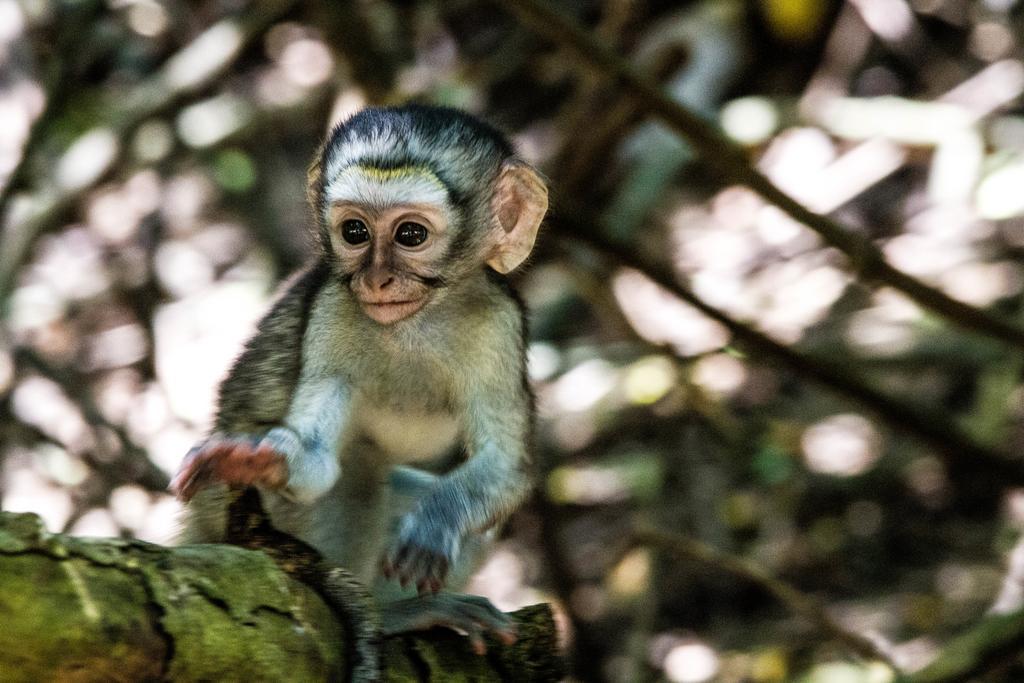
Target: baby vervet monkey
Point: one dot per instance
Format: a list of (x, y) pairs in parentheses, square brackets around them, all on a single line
[(402, 344)]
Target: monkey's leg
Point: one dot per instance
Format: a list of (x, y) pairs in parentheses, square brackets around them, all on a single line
[(471, 614), (349, 524), (402, 610)]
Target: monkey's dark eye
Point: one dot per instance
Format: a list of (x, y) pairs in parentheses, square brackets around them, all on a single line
[(354, 231), (411, 234)]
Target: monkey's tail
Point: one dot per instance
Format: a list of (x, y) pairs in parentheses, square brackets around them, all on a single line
[(358, 613), (249, 526)]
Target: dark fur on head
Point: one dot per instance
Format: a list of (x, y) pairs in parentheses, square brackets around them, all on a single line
[(459, 148), (464, 153)]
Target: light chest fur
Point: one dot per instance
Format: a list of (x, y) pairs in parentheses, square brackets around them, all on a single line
[(404, 381), (408, 436)]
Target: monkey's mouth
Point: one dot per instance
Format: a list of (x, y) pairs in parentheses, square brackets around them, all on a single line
[(388, 312)]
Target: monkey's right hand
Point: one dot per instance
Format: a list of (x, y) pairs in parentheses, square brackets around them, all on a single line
[(232, 460)]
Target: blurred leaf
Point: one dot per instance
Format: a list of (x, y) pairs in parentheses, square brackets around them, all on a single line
[(772, 464), (234, 170), (795, 21), (636, 476), (989, 418)]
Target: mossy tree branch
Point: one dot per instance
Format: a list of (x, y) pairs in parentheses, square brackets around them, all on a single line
[(113, 609)]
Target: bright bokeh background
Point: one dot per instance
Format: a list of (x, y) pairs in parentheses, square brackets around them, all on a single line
[(152, 159)]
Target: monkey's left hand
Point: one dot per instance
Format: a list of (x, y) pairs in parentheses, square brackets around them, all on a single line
[(422, 553), (236, 461)]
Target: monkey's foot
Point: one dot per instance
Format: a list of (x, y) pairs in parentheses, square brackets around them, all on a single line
[(470, 614), (229, 460)]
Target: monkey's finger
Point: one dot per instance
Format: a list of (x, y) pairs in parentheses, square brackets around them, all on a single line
[(201, 477), (247, 462), (186, 470), (428, 586), (476, 639), (478, 617), (401, 555), (496, 622), (236, 465), (437, 571), (189, 488), (402, 572), (400, 560), (433, 583), (504, 629), (180, 484), (198, 466), (190, 479), (386, 570), (417, 571), (391, 571), (270, 466), (432, 579), (420, 569), (181, 477)]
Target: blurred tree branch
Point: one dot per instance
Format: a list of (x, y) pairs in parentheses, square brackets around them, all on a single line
[(74, 33), (937, 430), (991, 643), (586, 639), (185, 73), (866, 260), (129, 464), (792, 598), (372, 54)]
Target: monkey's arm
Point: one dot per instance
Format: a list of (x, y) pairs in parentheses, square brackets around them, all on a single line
[(481, 492), (248, 442), (309, 437), (297, 457), (258, 390)]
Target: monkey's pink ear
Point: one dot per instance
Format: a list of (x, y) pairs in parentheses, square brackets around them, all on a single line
[(519, 203)]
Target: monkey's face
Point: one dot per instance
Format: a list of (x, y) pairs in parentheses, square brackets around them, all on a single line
[(392, 255), (413, 201)]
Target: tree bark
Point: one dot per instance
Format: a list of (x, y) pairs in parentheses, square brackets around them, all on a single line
[(75, 609)]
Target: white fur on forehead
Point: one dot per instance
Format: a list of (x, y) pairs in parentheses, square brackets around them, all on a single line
[(354, 149), (383, 188), (448, 152)]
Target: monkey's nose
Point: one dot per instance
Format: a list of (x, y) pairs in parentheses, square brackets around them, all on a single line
[(378, 278)]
